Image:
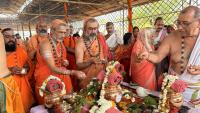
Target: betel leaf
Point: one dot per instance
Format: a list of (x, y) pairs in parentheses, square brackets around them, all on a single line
[(149, 101), (194, 95)]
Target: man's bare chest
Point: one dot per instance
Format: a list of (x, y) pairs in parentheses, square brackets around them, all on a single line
[(180, 50)]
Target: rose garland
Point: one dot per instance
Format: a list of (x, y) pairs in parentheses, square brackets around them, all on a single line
[(102, 102), (170, 83), (43, 88), (167, 82)]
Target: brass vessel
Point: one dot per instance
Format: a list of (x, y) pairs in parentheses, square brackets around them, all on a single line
[(112, 91), (53, 99)]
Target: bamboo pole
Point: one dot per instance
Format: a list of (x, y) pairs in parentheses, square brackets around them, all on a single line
[(29, 27), (23, 30), (129, 15), (65, 11)]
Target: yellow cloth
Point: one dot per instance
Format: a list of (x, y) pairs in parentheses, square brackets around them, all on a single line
[(13, 97)]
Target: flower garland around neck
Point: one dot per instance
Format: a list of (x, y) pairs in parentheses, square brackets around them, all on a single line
[(102, 102), (57, 56), (89, 47)]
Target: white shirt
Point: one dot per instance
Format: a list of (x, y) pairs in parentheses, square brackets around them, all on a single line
[(114, 40)]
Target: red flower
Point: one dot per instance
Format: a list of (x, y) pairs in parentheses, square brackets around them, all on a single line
[(113, 110), (114, 78), (119, 68), (54, 86), (179, 86), (173, 109)]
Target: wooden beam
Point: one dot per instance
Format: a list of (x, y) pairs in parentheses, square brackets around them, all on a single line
[(58, 4), (66, 11), (130, 27), (16, 3), (29, 28), (42, 14), (77, 2), (141, 2), (23, 30)]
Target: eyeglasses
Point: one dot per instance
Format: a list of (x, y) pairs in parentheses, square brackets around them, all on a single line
[(92, 28), (183, 23)]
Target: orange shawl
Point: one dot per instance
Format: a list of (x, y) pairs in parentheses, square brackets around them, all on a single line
[(71, 42), (93, 70), (19, 58), (123, 54), (42, 72)]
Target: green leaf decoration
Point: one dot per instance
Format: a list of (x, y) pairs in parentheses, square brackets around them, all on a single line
[(149, 101), (194, 95)]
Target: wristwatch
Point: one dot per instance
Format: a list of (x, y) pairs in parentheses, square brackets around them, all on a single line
[(23, 71)]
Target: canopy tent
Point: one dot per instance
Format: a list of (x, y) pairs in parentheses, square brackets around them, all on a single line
[(19, 13)]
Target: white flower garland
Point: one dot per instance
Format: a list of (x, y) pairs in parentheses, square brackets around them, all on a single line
[(102, 102), (111, 66), (167, 82), (51, 77)]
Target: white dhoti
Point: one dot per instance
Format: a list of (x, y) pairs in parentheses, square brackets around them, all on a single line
[(192, 89), (194, 60), (38, 109)]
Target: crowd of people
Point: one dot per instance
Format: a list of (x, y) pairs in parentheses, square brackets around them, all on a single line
[(145, 53)]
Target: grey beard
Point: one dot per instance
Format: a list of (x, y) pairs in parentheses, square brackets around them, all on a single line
[(91, 37), (54, 40)]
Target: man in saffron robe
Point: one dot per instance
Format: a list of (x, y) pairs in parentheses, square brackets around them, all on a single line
[(70, 42), (91, 51), (20, 42), (10, 97), (17, 61), (33, 43), (51, 59)]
